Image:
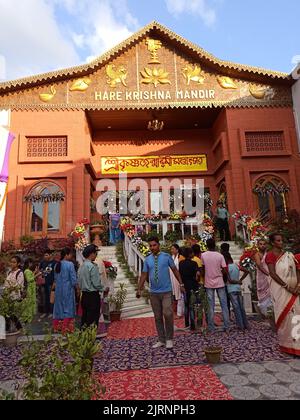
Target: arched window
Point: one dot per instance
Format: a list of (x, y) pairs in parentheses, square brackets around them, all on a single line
[(272, 195), (45, 208)]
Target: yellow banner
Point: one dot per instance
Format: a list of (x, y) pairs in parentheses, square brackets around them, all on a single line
[(153, 164)]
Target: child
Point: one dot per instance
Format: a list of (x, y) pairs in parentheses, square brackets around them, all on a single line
[(235, 292)]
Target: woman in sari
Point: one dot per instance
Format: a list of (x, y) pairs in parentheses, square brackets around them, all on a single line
[(263, 278), (285, 292), (65, 284), (178, 300)]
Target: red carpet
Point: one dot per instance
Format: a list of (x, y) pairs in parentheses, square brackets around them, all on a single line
[(181, 383), (140, 328)]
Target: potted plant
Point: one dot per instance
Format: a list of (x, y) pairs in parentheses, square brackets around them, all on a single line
[(11, 310), (212, 351), (97, 229), (117, 301)]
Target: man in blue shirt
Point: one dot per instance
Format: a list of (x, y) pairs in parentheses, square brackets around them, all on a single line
[(157, 268)]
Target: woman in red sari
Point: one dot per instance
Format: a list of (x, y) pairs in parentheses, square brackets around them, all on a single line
[(285, 292)]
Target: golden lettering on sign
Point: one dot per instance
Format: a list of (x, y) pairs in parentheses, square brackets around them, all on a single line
[(47, 97), (155, 76), (226, 82), (153, 46), (193, 74), (81, 85), (154, 164), (116, 75)]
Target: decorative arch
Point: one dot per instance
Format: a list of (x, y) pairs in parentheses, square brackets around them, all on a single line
[(272, 196), (45, 209)]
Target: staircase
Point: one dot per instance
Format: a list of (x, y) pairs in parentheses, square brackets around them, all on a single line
[(133, 307), (137, 308)]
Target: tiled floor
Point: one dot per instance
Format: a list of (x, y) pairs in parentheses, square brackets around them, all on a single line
[(262, 381)]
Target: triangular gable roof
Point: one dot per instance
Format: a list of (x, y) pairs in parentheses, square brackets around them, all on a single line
[(225, 67)]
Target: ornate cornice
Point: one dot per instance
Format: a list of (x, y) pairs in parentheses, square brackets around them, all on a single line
[(93, 66), (157, 105)]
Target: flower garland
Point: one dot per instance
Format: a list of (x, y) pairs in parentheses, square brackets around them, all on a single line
[(80, 234), (138, 218), (45, 198), (246, 260), (141, 246), (111, 271), (176, 217), (153, 218), (271, 189)]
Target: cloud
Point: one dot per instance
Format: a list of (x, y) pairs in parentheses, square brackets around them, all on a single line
[(47, 35), (193, 7), (31, 40), (103, 24)]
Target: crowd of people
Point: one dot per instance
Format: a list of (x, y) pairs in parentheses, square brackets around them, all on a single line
[(59, 289), (180, 281), (175, 279)]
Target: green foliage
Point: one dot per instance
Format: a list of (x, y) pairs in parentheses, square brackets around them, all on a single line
[(199, 302), (118, 298), (61, 369), (4, 266), (10, 307), (26, 240), (173, 236), (146, 236), (6, 396)]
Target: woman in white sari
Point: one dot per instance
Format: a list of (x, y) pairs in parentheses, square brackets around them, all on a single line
[(285, 292), (177, 294)]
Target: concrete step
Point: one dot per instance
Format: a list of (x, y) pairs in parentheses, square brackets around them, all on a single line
[(141, 307), (140, 313), (134, 303)]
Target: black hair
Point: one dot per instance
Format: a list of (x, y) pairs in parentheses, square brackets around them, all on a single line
[(30, 263), (17, 258), (228, 257), (187, 253), (196, 250), (211, 244), (273, 237), (64, 252), (48, 251), (225, 248), (154, 239), (89, 250), (176, 246)]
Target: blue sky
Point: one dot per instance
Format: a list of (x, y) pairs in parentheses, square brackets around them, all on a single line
[(50, 34)]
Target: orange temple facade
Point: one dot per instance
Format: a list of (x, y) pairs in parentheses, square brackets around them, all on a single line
[(155, 106)]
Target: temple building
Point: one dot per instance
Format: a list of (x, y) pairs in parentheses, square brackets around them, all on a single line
[(155, 106)]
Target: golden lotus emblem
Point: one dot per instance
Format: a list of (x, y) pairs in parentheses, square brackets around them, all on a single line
[(155, 77)]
